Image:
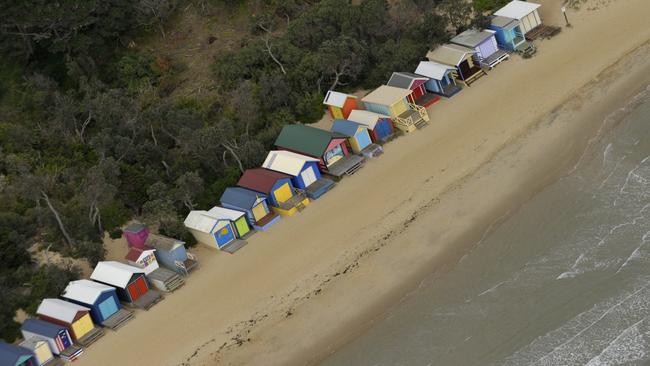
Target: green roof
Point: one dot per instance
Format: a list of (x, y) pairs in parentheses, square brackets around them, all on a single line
[(304, 139)]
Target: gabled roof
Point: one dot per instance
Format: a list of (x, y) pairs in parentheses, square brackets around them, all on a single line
[(225, 213), (406, 80), (161, 242), (33, 342), (433, 70), (260, 179), (200, 220), (366, 118), (85, 291), (387, 95), (304, 139), (503, 22), (240, 197), (135, 253), (59, 309), (449, 54), (114, 273), (472, 38), (10, 354), (336, 99), (345, 127), (135, 227), (517, 9), (41, 327), (286, 162)]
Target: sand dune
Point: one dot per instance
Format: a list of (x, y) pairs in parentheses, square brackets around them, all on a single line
[(299, 291)]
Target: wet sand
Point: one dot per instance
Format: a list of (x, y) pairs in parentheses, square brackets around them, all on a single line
[(319, 278)]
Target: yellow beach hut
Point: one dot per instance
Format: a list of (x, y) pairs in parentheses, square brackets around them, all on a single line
[(393, 102)]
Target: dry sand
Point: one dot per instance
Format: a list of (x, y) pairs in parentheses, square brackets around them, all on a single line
[(296, 293)]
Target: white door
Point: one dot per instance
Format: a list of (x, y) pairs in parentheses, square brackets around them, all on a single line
[(308, 176)]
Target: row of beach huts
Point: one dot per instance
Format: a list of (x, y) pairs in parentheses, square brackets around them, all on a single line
[(306, 164)]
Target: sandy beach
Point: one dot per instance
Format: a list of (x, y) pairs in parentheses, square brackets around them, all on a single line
[(296, 293)]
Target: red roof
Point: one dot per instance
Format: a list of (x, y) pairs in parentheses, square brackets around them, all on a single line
[(134, 253), (260, 179)]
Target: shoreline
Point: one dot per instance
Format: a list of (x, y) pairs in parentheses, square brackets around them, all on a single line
[(281, 300)]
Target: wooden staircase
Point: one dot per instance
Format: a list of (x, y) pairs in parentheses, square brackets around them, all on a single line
[(118, 319), (90, 337), (415, 117), (166, 280)]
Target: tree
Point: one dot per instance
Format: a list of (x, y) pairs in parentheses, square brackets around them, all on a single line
[(343, 58), (458, 12)]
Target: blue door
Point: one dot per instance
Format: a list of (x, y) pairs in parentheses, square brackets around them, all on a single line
[(107, 308), (364, 139), (383, 129), (64, 338), (224, 235)]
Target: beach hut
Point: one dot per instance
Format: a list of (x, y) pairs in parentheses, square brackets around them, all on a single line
[(339, 104), (74, 317), (136, 234), (172, 254), (57, 337), (380, 126), (484, 43), (509, 35), (393, 102), (415, 83), (460, 57), (441, 80), (358, 137), (236, 218), (42, 352), (328, 147), (254, 204), (129, 281), (102, 300), (302, 169), (11, 355), (280, 192), (213, 232), (523, 11), (162, 279)]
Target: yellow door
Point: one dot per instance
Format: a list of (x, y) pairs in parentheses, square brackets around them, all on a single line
[(259, 212), (336, 112), (283, 193), (82, 326), (398, 108)]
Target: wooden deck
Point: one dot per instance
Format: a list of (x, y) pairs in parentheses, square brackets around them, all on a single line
[(319, 187), (118, 319), (427, 100), (55, 362), (91, 337), (146, 301), (450, 90), (495, 59), (526, 49), (234, 246), (372, 151), (71, 353), (543, 31), (165, 279), (266, 219), (346, 166), (474, 74)]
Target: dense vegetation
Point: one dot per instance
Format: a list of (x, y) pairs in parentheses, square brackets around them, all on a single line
[(90, 136)]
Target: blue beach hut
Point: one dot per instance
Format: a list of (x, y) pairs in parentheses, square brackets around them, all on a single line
[(358, 137), (508, 34), (440, 77), (254, 204), (302, 169), (102, 300), (11, 355), (171, 253)]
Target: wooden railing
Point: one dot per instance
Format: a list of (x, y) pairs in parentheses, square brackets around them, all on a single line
[(295, 200), (416, 116), (421, 110)]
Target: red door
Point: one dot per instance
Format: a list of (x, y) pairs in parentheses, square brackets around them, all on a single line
[(137, 288), (418, 92)]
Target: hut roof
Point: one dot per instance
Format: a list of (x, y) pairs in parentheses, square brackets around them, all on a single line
[(286, 162), (472, 38), (41, 327), (135, 227), (164, 243), (345, 127), (32, 342), (59, 309), (449, 54), (304, 139), (366, 118), (135, 253), (432, 69), (260, 179), (200, 220), (11, 354), (517, 9), (240, 197), (336, 99), (386, 95), (406, 80), (85, 291), (503, 22), (225, 213), (114, 273)]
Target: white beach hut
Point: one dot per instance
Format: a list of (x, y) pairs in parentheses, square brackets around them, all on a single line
[(525, 12)]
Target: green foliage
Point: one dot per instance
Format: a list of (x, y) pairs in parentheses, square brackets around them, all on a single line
[(489, 5), (136, 70), (49, 281)]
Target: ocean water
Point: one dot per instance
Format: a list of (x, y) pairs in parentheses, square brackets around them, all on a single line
[(563, 281)]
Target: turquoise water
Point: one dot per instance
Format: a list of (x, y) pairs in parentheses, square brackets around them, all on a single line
[(564, 281)]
